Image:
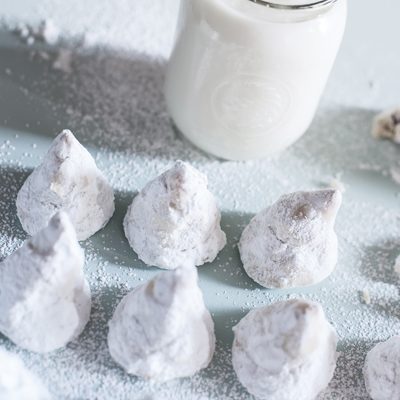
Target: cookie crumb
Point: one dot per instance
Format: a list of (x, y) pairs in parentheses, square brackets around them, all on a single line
[(387, 125), (396, 267), (365, 296)]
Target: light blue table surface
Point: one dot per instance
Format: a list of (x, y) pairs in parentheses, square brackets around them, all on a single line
[(113, 102)]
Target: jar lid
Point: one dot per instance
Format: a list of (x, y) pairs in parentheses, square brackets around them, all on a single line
[(294, 4)]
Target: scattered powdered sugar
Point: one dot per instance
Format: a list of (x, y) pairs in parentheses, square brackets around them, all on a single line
[(49, 32), (113, 101), (46, 32), (120, 24)]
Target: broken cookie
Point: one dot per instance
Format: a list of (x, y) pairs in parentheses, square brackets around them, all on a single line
[(387, 125)]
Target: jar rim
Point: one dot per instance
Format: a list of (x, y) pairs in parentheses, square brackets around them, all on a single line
[(306, 5)]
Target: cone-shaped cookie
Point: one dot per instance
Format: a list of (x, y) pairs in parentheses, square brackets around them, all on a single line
[(174, 221), (44, 297), (67, 180), (17, 382), (285, 351), (162, 329), (382, 370), (293, 242)]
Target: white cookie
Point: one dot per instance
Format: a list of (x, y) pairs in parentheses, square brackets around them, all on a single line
[(174, 221), (44, 297), (67, 180), (17, 382), (162, 329), (382, 370), (292, 243), (286, 351)]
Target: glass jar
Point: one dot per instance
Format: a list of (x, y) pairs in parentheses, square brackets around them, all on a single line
[(245, 76)]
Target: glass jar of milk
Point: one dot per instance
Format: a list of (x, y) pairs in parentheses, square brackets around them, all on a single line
[(245, 76)]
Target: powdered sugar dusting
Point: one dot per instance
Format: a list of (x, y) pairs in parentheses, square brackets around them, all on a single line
[(114, 103), (161, 330), (292, 243), (174, 221), (285, 351)]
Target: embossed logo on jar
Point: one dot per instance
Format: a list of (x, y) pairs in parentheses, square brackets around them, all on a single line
[(251, 105)]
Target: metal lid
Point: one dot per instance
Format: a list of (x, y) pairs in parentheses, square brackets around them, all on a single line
[(294, 5)]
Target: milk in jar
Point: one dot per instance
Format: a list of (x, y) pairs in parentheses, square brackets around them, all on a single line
[(245, 77)]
